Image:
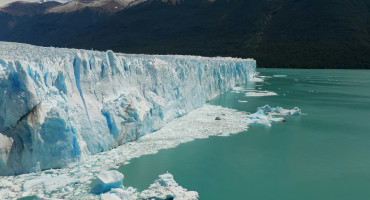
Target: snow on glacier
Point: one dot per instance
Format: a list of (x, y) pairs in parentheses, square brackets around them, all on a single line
[(60, 105)]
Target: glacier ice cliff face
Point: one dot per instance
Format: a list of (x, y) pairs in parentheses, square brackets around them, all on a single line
[(60, 105)]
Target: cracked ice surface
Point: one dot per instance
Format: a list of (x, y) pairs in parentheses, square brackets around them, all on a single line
[(60, 105)]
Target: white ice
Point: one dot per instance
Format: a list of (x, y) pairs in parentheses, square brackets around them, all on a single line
[(108, 179), (62, 105), (265, 115), (167, 188), (256, 79), (163, 188), (120, 194), (260, 94), (73, 182), (279, 76)]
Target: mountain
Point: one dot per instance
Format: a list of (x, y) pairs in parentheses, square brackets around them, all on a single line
[(277, 33), (20, 8), (107, 5)]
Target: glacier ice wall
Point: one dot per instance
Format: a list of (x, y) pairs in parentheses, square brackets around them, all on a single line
[(60, 105)]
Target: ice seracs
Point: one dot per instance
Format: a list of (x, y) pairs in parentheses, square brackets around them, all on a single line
[(60, 105)]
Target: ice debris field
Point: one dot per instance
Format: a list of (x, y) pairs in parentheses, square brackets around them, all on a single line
[(73, 182), (75, 113)]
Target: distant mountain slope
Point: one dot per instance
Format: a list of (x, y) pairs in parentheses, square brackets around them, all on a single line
[(108, 5), (317, 33), (20, 8), (278, 33)]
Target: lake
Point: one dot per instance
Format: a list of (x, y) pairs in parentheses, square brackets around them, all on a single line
[(322, 154)]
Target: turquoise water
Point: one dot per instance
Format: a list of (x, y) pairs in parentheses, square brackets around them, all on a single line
[(324, 154)]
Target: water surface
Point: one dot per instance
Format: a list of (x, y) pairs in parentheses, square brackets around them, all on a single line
[(324, 154)]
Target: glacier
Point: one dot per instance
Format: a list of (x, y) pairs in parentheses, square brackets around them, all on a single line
[(58, 106)]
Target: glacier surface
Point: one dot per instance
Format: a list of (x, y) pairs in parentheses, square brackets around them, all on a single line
[(59, 105)]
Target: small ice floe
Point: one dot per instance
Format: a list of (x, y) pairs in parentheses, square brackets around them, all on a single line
[(108, 180), (260, 94), (265, 115), (241, 101), (238, 89), (163, 188), (256, 79), (280, 111), (279, 76), (264, 77), (167, 188)]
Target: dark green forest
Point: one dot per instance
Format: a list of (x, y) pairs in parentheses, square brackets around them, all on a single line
[(277, 33)]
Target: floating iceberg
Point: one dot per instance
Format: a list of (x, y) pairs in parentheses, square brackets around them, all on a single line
[(167, 188), (164, 188), (280, 76), (279, 110), (60, 105), (260, 94), (108, 180), (265, 115)]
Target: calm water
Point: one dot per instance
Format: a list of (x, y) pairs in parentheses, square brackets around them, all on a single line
[(324, 154)]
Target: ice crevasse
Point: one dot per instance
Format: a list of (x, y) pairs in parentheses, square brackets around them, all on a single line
[(59, 105)]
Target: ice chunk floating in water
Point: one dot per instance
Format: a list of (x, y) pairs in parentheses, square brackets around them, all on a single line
[(108, 180), (167, 188), (164, 188), (260, 94), (279, 76), (60, 105), (265, 115)]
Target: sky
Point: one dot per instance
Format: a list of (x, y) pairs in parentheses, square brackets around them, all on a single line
[(4, 2)]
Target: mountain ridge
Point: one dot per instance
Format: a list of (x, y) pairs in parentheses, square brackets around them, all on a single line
[(278, 33)]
